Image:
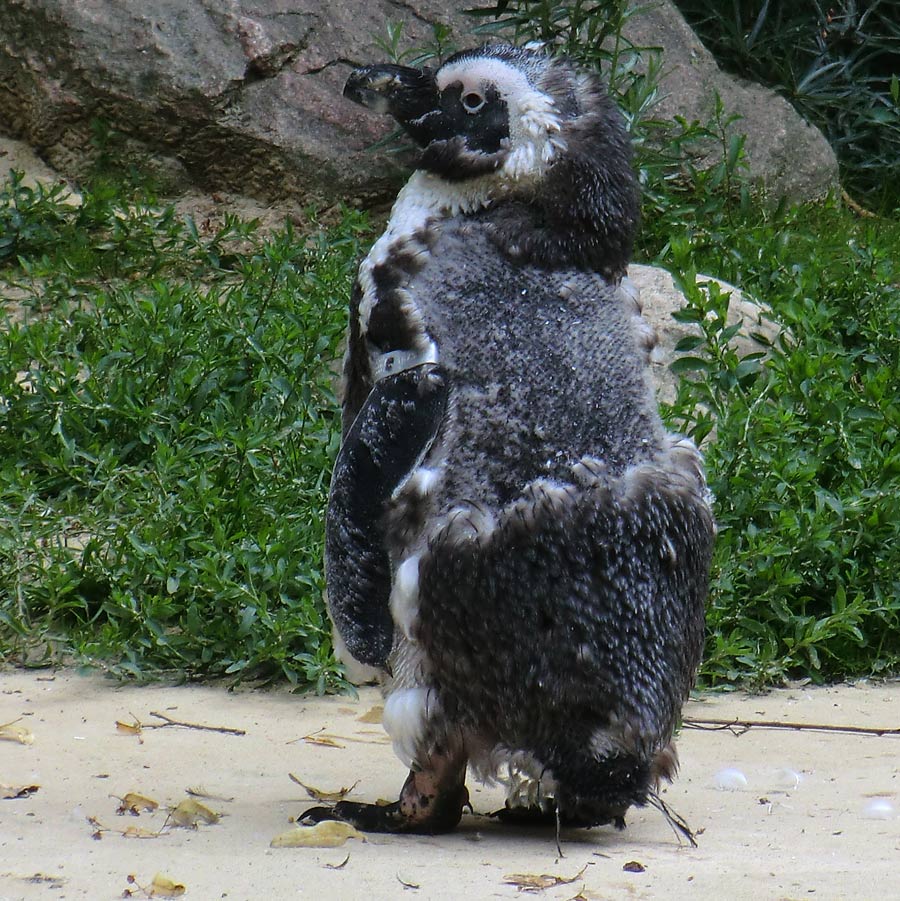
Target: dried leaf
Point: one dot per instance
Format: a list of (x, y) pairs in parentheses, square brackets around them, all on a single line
[(528, 882), (405, 884), (128, 832), (134, 728), (375, 715), (326, 741), (12, 792), (134, 803), (163, 887), (330, 834), (139, 832), (318, 795), (99, 828), (338, 866), (13, 732), (190, 812), (202, 793), (634, 866)]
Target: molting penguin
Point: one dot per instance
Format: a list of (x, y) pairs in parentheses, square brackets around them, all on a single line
[(514, 543)]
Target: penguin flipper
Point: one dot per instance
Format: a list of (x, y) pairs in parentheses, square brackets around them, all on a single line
[(393, 430)]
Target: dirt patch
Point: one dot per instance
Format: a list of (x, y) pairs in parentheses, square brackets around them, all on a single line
[(780, 814), (19, 156)]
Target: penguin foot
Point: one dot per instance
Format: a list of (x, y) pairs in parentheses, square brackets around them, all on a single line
[(431, 802), (525, 816), (365, 817)]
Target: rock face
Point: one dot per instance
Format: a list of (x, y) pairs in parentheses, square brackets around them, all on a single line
[(245, 95), (784, 153)]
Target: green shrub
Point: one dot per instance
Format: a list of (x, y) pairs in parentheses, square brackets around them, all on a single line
[(805, 464), (167, 439), (169, 424)]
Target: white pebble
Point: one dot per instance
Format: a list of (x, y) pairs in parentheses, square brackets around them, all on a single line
[(878, 809), (730, 780)]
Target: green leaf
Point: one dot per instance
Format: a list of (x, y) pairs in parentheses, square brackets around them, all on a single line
[(689, 342), (691, 364)]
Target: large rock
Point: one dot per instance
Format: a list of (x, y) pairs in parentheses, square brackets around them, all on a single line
[(785, 155), (661, 298), (245, 95)]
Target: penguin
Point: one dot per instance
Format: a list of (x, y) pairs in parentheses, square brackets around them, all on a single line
[(516, 548)]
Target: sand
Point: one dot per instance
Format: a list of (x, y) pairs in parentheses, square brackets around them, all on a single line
[(779, 814)]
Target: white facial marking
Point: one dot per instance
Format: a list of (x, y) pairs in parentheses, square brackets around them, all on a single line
[(533, 123)]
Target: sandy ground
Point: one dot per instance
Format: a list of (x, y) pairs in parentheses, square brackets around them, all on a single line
[(780, 814)]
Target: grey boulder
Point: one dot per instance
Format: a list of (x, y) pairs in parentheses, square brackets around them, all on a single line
[(245, 95)]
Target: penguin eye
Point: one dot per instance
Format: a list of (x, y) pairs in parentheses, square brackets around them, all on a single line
[(472, 102)]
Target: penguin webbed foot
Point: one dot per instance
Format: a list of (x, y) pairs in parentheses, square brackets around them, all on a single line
[(431, 802), (365, 817)]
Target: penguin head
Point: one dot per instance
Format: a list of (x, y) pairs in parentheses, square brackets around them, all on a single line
[(498, 109), (526, 127)]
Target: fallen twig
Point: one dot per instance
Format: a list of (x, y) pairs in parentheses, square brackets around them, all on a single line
[(170, 722), (675, 820), (739, 727), (859, 210)]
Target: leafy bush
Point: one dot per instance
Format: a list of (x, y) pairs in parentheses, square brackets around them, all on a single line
[(168, 435), (588, 32), (805, 464), (169, 424)]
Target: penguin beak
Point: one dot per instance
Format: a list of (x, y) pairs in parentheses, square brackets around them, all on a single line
[(408, 94)]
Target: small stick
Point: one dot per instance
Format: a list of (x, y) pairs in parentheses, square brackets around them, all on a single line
[(859, 210), (170, 722), (676, 821), (714, 725), (559, 849)]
